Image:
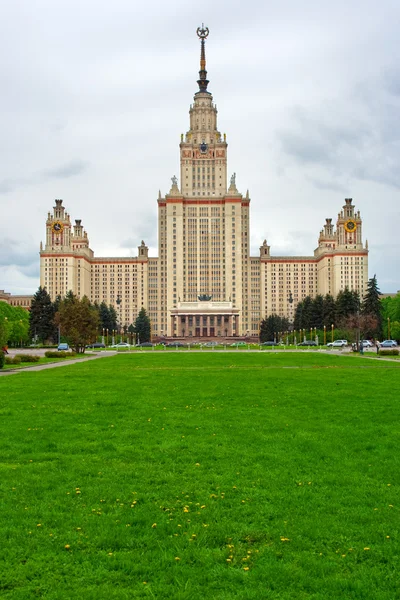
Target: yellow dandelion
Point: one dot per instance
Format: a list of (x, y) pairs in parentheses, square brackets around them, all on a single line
[(39, 525), (245, 568), (203, 506), (154, 525), (388, 537), (177, 558), (367, 548), (67, 546), (228, 560)]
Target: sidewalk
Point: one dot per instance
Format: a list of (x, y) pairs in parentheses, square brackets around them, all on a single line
[(34, 367)]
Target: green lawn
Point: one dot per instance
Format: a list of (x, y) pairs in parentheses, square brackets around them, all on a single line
[(202, 476)]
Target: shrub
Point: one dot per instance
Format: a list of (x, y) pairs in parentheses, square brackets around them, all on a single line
[(388, 352), (58, 354), (13, 360), (1, 359), (28, 357)]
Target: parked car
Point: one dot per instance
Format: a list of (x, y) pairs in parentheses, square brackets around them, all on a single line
[(308, 343), (210, 344), (366, 343), (338, 344), (238, 344), (63, 347), (121, 345), (144, 345), (96, 345), (175, 345), (388, 344), (269, 343)]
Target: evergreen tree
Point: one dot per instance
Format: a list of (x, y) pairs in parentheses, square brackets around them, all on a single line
[(105, 320), (142, 326), (317, 318), (41, 318), (270, 327), (372, 306), (113, 317), (347, 303), (329, 310)]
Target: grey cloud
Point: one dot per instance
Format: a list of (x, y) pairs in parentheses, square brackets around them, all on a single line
[(324, 184), (75, 167), (71, 169), (13, 252), (361, 150)]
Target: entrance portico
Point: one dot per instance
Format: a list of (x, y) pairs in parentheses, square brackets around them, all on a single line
[(204, 319)]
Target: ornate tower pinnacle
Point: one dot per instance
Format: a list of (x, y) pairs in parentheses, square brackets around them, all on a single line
[(202, 33)]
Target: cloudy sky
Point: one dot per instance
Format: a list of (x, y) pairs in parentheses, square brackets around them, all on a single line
[(94, 97)]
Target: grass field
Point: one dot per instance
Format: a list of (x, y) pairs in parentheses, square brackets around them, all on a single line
[(202, 476)]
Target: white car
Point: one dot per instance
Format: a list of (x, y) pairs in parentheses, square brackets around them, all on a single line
[(121, 345), (338, 344), (366, 344)]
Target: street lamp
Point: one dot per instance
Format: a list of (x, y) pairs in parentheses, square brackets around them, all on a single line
[(324, 335), (118, 301), (388, 319), (333, 327)]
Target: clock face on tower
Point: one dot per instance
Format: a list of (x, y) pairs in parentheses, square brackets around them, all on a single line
[(58, 227), (203, 147), (350, 226)]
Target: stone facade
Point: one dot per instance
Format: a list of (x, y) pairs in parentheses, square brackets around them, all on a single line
[(204, 249), (21, 300)]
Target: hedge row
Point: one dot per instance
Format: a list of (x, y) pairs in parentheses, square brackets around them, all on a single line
[(58, 354), (28, 357), (13, 360), (388, 352)]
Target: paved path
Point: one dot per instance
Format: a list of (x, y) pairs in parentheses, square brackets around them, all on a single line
[(56, 364)]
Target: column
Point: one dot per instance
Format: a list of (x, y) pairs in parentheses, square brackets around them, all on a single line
[(208, 325), (230, 328)]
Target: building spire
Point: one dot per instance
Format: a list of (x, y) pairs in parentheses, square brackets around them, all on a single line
[(202, 33)]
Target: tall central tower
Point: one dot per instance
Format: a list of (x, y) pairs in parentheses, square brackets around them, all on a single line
[(203, 224), (203, 152)]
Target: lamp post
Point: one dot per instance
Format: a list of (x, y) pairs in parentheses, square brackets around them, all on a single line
[(388, 328), (333, 327), (102, 339), (118, 301), (324, 335)]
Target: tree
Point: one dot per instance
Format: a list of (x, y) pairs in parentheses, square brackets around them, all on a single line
[(303, 318), (78, 320), (41, 319), (329, 310), (131, 330), (113, 317), (3, 339), (347, 303), (317, 318), (372, 306), (360, 324), (270, 326), (142, 326)]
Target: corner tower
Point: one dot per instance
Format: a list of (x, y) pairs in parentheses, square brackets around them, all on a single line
[(202, 149)]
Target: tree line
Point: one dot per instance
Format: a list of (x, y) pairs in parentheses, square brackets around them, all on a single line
[(346, 311), (78, 321)]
